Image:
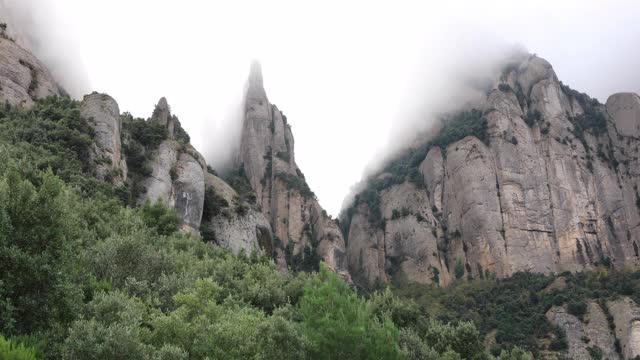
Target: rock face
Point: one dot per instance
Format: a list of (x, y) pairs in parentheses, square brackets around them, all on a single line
[(597, 332), (541, 193), (592, 331), (103, 110), (177, 172), (266, 155), (626, 317), (235, 225), (23, 78)]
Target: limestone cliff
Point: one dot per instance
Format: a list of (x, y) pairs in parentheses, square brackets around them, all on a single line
[(23, 78), (551, 187), (104, 114), (233, 223), (301, 228), (611, 329), (177, 172)]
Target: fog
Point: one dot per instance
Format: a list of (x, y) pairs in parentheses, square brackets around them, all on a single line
[(357, 80), (41, 27)]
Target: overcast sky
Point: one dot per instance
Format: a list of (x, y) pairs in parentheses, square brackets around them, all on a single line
[(344, 72)]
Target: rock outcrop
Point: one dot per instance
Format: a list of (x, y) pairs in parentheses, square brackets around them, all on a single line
[(23, 78), (592, 333), (234, 224), (611, 329), (177, 172), (552, 188), (626, 318), (301, 227), (103, 112)]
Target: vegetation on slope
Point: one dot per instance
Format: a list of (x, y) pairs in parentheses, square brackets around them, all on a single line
[(82, 276), (141, 138), (515, 307)]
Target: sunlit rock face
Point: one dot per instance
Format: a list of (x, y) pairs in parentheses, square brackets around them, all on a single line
[(538, 194), (301, 228), (23, 78)]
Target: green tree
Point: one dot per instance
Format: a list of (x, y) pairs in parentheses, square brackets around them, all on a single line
[(38, 234), (159, 217), (341, 325)]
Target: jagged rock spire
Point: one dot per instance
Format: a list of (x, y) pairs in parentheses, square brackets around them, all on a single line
[(301, 228), (255, 74), (255, 86)]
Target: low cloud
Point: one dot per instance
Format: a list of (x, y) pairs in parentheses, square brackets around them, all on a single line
[(37, 26)]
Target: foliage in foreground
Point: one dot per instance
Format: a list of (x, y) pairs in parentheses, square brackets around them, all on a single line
[(84, 277)]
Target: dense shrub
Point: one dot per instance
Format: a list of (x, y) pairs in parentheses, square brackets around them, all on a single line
[(533, 117), (296, 183), (213, 204), (140, 139), (147, 133), (156, 216), (238, 180), (504, 87), (593, 118), (10, 350)]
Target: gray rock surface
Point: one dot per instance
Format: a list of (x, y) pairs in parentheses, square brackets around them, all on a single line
[(626, 317), (267, 156), (177, 174), (248, 232), (541, 197), (594, 331), (23, 78), (103, 110)]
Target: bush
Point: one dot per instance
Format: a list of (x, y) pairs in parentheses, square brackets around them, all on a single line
[(595, 352), (593, 118), (296, 183), (504, 87), (284, 155), (162, 219), (150, 134), (213, 204), (577, 308), (237, 179), (15, 351), (533, 117)]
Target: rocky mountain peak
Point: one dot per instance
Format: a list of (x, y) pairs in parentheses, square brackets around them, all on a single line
[(542, 178), (162, 114), (255, 73), (303, 232)]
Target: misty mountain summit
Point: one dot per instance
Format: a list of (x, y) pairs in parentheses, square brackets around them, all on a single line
[(546, 185), (507, 231)]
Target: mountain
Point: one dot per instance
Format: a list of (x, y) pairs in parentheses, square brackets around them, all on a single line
[(23, 78), (507, 231), (539, 178), (302, 229)]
